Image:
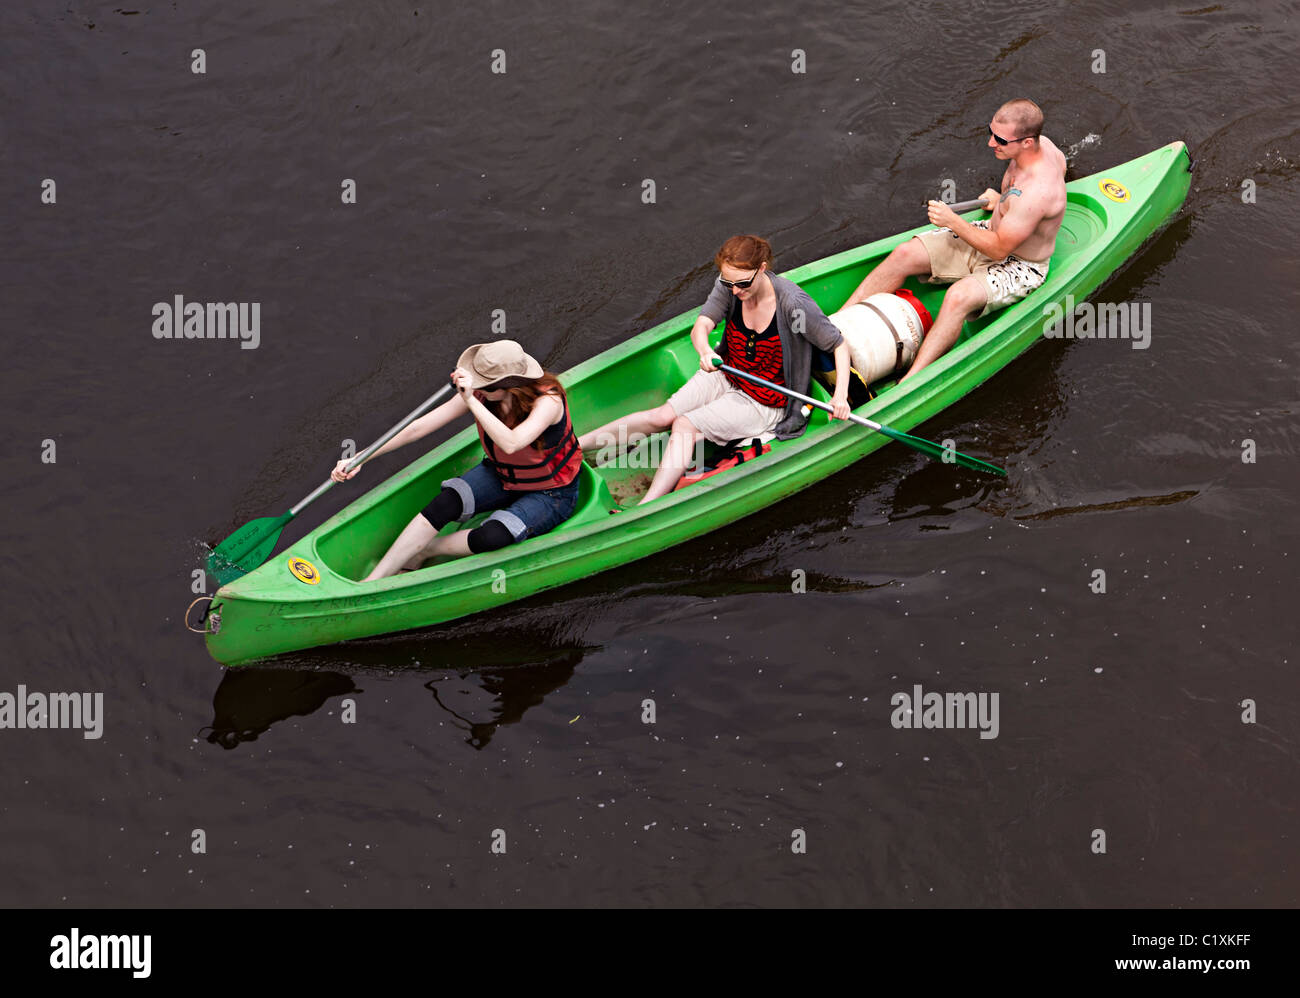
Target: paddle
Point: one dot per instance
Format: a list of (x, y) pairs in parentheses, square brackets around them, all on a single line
[(253, 543), (917, 443), (964, 206)]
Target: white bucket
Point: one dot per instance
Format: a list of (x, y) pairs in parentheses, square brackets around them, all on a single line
[(884, 333)]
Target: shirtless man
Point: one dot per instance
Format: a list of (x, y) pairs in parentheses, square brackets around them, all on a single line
[(995, 262)]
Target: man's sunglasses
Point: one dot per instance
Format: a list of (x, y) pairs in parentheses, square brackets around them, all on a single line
[(739, 284), (1002, 142)]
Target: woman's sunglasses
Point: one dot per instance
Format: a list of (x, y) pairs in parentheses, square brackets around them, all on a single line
[(739, 284)]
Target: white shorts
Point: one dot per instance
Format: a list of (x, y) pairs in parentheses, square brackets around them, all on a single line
[(721, 411)]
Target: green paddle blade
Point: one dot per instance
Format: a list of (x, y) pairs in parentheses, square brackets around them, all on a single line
[(942, 453), (246, 548)]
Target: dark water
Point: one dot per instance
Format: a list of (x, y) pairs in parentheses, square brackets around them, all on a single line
[(1118, 711)]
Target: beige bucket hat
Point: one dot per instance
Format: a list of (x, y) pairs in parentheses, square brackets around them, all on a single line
[(490, 362)]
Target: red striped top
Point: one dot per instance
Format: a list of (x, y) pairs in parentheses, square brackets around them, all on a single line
[(754, 353)]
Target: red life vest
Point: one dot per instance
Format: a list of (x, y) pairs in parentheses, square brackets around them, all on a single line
[(729, 458), (530, 470)]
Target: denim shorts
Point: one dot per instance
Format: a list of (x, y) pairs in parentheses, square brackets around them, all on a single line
[(525, 514)]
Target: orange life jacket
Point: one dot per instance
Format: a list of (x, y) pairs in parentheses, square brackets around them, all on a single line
[(530, 470)]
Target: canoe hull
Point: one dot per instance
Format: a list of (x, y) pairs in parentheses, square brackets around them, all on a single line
[(271, 611)]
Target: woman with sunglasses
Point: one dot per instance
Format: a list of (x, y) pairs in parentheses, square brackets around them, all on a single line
[(771, 326), (529, 473)]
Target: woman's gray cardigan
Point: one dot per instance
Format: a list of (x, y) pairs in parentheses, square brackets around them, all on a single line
[(801, 325)]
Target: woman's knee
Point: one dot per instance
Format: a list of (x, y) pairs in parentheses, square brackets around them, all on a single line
[(682, 426), (493, 535), (662, 417), (447, 505)]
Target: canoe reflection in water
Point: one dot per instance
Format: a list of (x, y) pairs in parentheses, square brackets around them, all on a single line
[(248, 702), (513, 690), (512, 668), (490, 675)]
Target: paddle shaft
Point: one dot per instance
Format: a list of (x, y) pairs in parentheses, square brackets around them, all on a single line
[(862, 420), (369, 452), (927, 447)]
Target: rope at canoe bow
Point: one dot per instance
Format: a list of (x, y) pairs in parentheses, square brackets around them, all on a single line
[(927, 447), (202, 620)]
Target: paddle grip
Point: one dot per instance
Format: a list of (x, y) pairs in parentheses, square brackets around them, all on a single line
[(964, 206)]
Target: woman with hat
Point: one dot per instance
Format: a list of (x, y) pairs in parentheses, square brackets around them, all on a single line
[(529, 473)]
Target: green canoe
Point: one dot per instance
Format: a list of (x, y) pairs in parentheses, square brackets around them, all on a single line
[(271, 610)]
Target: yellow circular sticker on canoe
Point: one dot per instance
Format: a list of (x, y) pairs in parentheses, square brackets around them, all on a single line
[(304, 571), (1114, 190)]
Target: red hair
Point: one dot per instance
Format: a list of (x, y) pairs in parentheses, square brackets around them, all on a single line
[(744, 253)]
